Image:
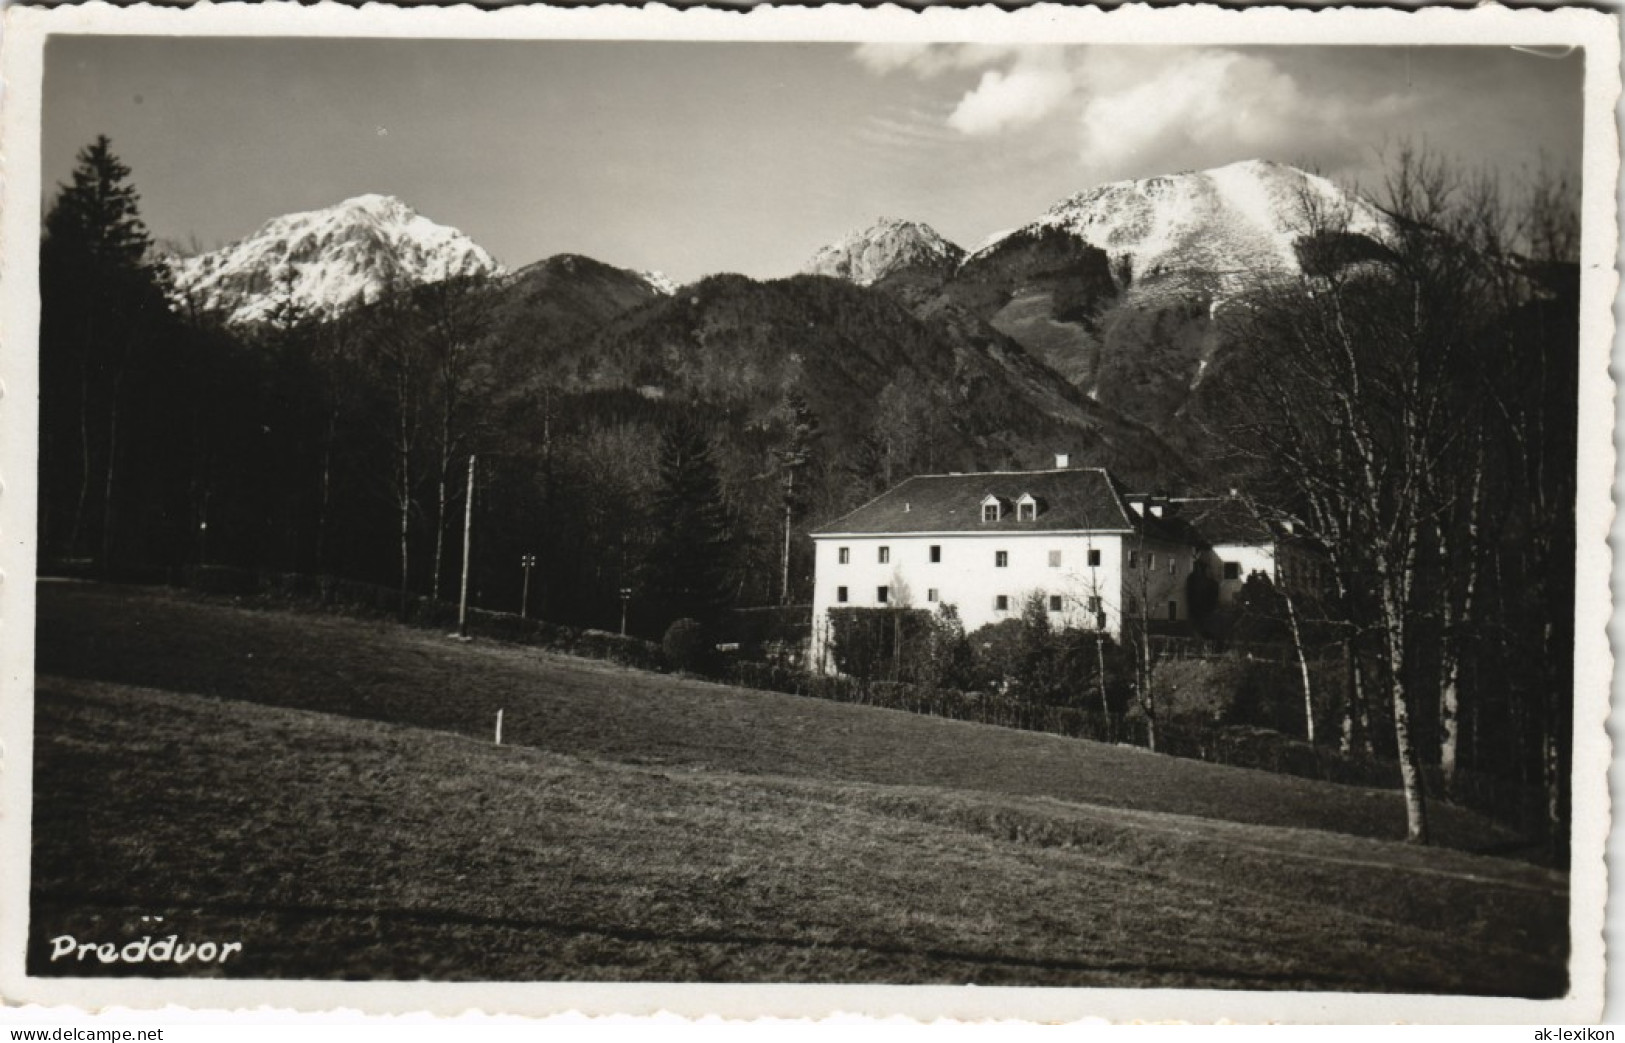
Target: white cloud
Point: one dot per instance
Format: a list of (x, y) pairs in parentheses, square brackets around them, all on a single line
[(1209, 106), (1142, 109), (1004, 100), (1208, 98), (883, 58), (929, 60)]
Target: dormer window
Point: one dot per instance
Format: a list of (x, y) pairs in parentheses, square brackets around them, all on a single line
[(1026, 508), (992, 508)]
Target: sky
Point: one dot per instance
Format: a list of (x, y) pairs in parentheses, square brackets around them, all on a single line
[(695, 158)]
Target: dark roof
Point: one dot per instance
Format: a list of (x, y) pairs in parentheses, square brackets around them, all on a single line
[(1230, 519), (1068, 500)]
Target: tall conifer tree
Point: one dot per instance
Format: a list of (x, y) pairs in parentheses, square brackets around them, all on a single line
[(688, 569), (101, 300)]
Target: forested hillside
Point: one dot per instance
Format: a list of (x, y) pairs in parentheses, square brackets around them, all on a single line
[(333, 439)]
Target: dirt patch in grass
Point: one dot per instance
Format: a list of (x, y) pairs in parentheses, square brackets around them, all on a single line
[(334, 847), (378, 671)]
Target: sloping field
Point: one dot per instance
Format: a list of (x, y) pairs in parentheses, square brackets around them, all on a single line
[(669, 830), (380, 671)]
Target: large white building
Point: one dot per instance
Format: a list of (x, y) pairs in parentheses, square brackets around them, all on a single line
[(987, 542)]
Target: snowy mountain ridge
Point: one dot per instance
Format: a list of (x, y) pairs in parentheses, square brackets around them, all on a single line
[(1221, 230), (659, 281), (867, 255), (1232, 224), (322, 261)]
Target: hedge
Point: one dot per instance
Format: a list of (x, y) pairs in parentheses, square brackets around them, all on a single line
[(349, 597), (1237, 746), (977, 707)]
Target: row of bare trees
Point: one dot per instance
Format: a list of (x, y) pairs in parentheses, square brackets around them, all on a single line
[(1412, 399)]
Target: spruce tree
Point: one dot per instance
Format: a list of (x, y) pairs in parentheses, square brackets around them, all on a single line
[(101, 301), (687, 572)]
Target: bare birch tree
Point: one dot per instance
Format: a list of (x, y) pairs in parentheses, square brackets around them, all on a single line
[(397, 353), (1362, 411), (451, 324)]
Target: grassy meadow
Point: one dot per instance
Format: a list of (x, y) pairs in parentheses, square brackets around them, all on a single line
[(325, 790)]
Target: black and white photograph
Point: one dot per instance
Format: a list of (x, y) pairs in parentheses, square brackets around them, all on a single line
[(1039, 511)]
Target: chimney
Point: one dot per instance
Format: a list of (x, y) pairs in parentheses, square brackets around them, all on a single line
[(1062, 461)]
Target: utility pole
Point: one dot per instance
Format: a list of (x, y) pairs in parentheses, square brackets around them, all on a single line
[(468, 532), (529, 562), (784, 580)]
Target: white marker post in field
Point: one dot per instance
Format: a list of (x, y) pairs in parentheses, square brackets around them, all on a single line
[(499, 728)]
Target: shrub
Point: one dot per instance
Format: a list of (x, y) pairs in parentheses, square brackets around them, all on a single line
[(876, 643), (620, 648), (687, 646)]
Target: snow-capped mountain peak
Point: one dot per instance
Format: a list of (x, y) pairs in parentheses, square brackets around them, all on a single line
[(660, 282), (869, 254), (321, 261), (1234, 223)]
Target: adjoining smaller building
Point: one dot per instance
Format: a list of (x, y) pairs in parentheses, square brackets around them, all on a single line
[(1244, 541)]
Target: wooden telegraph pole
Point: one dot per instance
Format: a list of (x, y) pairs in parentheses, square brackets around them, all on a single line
[(468, 531)]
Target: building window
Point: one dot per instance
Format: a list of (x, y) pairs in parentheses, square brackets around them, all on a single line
[(1173, 610), (1232, 570), (844, 555), (1054, 559), (936, 553), (840, 594), (1055, 602), (990, 509), (1151, 561), (1001, 602), (1170, 564), (1094, 559), (1026, 512), (881, 594), (1001, 559), (1094, 604), (885, 555), (1133, 559), (931, 594)]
